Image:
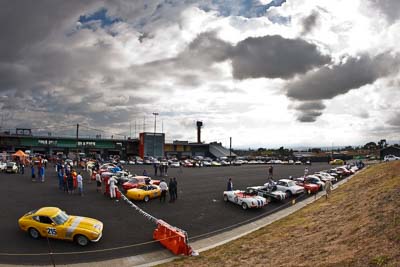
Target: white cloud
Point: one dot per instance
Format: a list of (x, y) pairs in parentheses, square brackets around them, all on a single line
[(154, 59)]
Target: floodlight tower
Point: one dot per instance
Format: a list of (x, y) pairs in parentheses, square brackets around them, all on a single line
[(199, 124)]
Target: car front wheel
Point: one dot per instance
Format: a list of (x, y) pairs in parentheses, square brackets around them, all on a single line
[(146, 199), (244, 206), (34, 233), (288, 194), (81, 240), (225, 198)]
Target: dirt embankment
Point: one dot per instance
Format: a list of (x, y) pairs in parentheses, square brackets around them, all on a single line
[(358, 226)]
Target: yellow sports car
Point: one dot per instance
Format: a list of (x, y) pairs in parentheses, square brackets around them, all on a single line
[(144, 192), (54, 223), (336, 162)]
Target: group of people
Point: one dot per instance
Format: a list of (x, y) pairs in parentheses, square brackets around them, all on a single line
[(172, 188), (162, 168), (40, 172), (69, 179)]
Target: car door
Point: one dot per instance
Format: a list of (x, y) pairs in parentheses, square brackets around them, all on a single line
[(281, 186)]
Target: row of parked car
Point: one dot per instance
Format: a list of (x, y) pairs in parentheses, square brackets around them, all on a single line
[(259, 196)]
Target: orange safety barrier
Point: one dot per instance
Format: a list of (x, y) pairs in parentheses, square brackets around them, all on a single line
[(172, 238)]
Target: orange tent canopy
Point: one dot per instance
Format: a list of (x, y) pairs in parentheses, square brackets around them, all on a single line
[(19, 153)]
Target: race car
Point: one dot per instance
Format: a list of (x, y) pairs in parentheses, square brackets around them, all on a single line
[(52, 222), (245, 200), (309, 187), (144, 192), (265, 191), (135, 181)]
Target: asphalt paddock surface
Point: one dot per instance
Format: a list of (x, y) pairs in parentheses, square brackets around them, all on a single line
[(200, 210)]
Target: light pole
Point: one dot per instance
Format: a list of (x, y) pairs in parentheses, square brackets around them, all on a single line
[(154, 136)]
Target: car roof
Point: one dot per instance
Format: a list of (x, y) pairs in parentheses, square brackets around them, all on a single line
[(47, 211)]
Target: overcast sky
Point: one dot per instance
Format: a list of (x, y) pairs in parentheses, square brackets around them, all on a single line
[(266, 73)]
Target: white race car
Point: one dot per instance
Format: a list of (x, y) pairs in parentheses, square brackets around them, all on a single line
[(245, 200)]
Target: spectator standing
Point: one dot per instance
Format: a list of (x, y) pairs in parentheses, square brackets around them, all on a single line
[(176, 189), (33, 173), (166, 169), (22, 168), (42, 173), (60, 178), (70, 183), (171, 187), (145, 173), (164, 188), (98, 182), (328, 188), (270, 172), (155, 169), (113, 187), (79, 179), (229, 186)]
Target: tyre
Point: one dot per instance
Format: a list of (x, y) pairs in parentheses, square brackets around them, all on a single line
[(146, 199), (81, 240), (244, 206), (225, 198), (34, 233), (288, 194)]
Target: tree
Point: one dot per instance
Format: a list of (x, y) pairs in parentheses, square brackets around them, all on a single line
[(370, 146), (382, 143)]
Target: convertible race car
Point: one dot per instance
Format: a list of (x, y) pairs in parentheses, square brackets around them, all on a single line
[(144, 192), (135, 181), (245, 200), (267, 192), (54, 223)]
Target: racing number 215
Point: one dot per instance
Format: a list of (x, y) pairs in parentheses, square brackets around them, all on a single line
[(51, 231)]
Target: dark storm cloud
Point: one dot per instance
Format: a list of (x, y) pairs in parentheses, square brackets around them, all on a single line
[(309, 116), (390, 8), (328, 82), (27, 22), (310, 22), (274, 57), (309, 111)]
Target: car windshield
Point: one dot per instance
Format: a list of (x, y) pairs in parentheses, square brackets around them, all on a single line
[(291, 183), (61, 218)]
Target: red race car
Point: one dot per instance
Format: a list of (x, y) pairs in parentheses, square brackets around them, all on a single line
[(137, 180), (308, 187)]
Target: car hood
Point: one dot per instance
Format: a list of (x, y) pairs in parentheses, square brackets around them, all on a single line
[(84, 223)]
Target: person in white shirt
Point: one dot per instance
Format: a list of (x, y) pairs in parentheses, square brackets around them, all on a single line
[(164, 188), (112, 182), (79, 180)]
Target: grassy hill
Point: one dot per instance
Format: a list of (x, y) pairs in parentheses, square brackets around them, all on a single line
[(358, 226)]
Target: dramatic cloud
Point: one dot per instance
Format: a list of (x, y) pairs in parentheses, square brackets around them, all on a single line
[(105, 64), (310, 22), (275, 57), (354, 73), (390, 8), (328, 82), (309, 110)]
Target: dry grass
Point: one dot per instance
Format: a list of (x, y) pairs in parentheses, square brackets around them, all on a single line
[(358, 226)]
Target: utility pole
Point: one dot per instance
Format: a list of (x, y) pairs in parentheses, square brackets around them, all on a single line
[(230, 151), (77, 141)]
